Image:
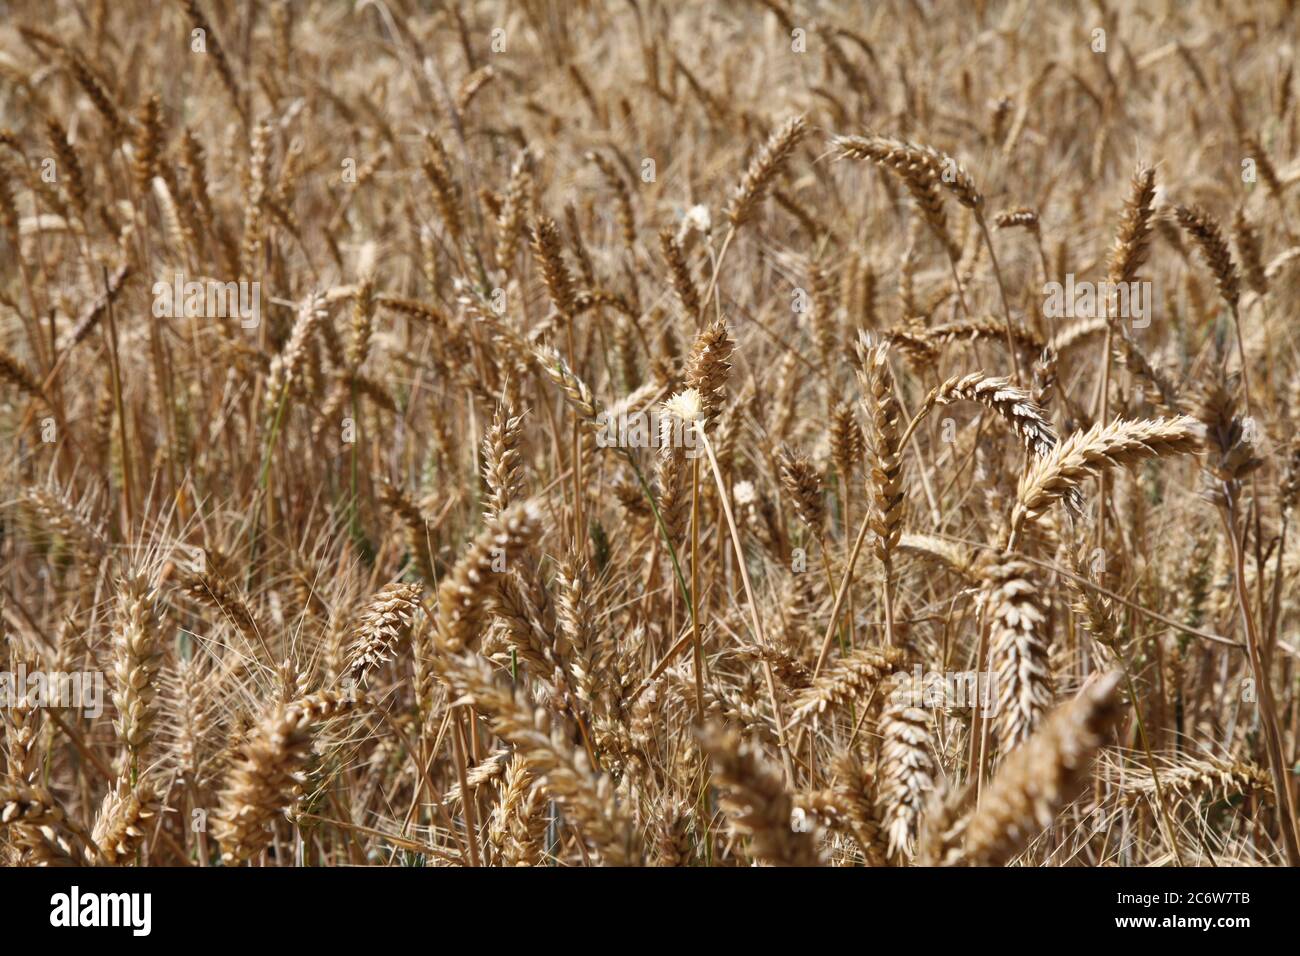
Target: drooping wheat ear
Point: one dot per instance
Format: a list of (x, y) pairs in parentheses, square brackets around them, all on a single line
[(1019, 658), (489, 770), (1076, 333), (1087, 454), (1205, 232), (586, 268), (464, 594), (680, 274), (1094, 610), (383, 625), (576, 391), (1192, 780), (1166, 392), (502, 468), (372, 389), (414, 527), (906, 768), (1133, 240), (325, 705), (1230, 454), (1039, 778), (40, 831), (848, 680), (19, 375), (212, 589), (622, 194), (672, 478), (524, 607), (1281, 263), (94, 89), (803, 486), (969, 330), (82, 534), (709, 366), (148, 145), (423, 311), (949, 553), (954, 177), (548, 249), (123, 822), (883, 433), (1013, 405), (266, 771), (1252, 262), (137, 657), (54, 845), (755, 801), (563, 773), (915, 345), (914, 166), (763, 170), (23, 753)]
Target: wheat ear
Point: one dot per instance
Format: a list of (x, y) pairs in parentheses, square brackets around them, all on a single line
[(1039, 778), (1089, 453)]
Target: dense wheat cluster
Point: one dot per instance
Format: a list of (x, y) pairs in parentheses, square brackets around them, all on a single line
[(641, 433)]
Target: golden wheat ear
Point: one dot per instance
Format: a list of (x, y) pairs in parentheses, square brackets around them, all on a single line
[(757, 805), (1043, 775), (1019, 655), (906, 768), (883, 440), (464, 596), (1088, 454), (266, 771), (1206, 232), (1013, 405), (383, 626)]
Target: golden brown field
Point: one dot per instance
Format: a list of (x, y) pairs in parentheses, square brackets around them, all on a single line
[(648, 433)]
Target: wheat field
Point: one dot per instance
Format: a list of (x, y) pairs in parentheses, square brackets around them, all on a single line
[(645, 433)]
